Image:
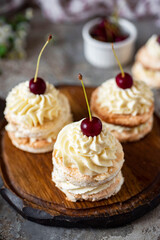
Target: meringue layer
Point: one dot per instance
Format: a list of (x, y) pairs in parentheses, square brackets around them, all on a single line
[(70, 189), (120, 129)]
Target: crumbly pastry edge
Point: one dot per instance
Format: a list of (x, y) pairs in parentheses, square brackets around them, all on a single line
[(113, 189), (30, 149), (126, 136)]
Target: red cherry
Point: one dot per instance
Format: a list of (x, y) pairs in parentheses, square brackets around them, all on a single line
[(98, 33), (120, 38), (102, 23), (124, 82), (158, 39), (91, 128), (37, 87), (106, 31)]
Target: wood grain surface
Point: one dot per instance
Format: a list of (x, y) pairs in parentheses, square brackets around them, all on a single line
[(28, 176)]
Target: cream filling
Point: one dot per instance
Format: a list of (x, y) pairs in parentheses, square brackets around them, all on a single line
[(68, 187), (20, 133), (118, 128), (135, 100), (49, 135)]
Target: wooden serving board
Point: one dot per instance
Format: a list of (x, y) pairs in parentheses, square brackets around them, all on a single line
[(28, 186)]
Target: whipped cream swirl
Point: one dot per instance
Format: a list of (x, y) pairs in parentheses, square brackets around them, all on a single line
[(49, 130), (135, 100), (30, 109), (90, 155), (153, 47)]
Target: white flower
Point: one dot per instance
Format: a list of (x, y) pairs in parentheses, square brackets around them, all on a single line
[(29, 13), (19, 43), (5, 33), (22, 34)]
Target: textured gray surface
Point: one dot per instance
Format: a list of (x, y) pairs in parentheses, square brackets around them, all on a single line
[(13, 226), (61, 63)]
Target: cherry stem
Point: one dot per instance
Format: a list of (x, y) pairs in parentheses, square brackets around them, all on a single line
[(85, 94), (120, 66), (39, 57), (115, 14)]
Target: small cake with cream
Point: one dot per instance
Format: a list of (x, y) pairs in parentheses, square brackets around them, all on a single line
[(147, 62), (36, 111), (125, 106), (87, 161)]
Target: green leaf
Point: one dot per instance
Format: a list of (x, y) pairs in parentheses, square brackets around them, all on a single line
[(2, 19), (3, 50), (17, 20), (20, 18)]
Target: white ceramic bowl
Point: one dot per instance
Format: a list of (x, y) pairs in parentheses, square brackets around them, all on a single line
[(100, 53)]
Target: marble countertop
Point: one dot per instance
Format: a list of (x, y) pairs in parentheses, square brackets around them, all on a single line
[(60, 64)]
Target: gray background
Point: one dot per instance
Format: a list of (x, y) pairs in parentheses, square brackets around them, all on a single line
[(61, 63)]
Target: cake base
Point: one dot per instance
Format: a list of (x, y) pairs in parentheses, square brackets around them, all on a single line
[(28, 187)]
